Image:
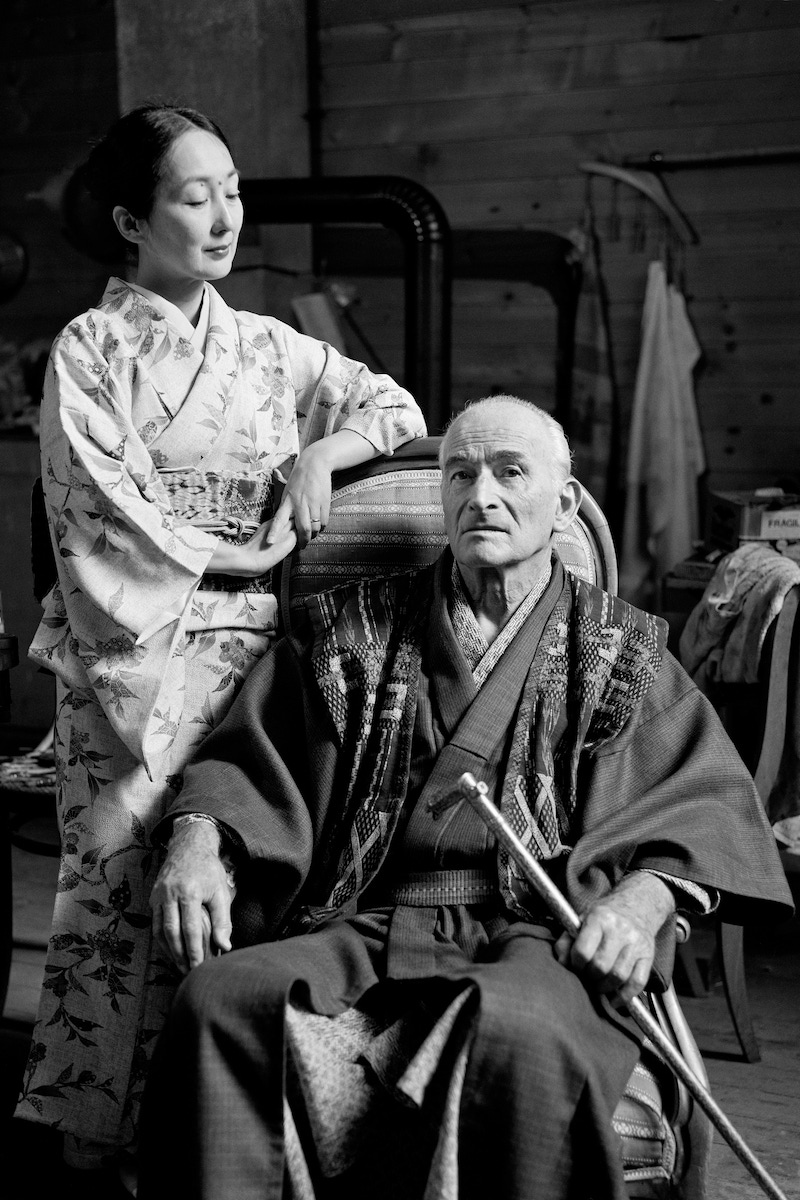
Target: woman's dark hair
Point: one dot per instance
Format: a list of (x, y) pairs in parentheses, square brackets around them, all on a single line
[(124, 168)]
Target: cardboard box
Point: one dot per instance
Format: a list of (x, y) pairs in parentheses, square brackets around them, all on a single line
[(768, 515)]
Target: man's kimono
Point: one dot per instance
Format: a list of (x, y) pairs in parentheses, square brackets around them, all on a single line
[(157, 439), (409, 953)]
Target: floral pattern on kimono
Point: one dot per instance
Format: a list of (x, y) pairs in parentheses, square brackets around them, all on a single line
[(146, 437)]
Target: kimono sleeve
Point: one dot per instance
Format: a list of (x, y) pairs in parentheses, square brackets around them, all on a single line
[(671, 794), (333, 392), (127, 573), (270, 772), (111, 518)]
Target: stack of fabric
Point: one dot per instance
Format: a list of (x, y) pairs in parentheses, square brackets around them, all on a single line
[(724, 635), (723, 642)]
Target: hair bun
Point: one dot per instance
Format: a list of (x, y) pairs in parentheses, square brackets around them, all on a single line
[(88, 224)]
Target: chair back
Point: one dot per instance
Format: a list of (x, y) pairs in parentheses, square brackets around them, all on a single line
[(386, 517)]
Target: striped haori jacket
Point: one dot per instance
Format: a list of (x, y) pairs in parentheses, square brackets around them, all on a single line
[(595, 661)]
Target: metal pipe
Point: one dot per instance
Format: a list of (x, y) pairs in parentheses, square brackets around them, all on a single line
[(313, 114), (763, 156), (534, 256), (477, 795), (417, 216)]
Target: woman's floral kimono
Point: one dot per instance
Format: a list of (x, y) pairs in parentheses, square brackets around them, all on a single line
[(155, 437)]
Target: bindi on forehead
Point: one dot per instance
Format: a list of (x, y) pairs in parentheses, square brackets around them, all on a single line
[(213, 176)]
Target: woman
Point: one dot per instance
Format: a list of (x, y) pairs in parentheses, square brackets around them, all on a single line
[(166, 418)]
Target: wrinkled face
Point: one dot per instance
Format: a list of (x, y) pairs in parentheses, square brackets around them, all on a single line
[(193, 228), (501, 504)]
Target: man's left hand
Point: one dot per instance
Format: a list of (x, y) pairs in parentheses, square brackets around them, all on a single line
[(191, 897), (615, 946)]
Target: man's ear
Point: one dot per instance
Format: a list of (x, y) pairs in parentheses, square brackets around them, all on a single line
[(129, 226), (567, 504)]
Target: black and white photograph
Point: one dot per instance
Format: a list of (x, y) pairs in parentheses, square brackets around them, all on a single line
[(399, 590)]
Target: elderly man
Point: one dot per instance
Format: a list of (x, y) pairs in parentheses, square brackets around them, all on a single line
[(415, 1026)]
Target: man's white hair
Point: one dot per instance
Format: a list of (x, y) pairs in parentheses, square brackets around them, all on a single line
[(561, 461)]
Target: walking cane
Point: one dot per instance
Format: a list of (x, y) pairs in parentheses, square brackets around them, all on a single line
[(477, 795)]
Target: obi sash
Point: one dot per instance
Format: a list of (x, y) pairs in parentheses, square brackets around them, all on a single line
[(229, 505)]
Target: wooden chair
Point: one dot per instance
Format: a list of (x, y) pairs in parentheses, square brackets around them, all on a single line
[(386, 518)]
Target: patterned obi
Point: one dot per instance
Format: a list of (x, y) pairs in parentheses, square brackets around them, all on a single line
[(231, 505)]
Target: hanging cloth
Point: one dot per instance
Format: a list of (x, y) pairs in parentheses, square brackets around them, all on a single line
[(665, 449), (593, 413)]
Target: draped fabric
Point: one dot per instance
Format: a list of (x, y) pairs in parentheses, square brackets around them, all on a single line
[(665, 448), (726, 630), (151, 438), (537, 1089), (723, 643)]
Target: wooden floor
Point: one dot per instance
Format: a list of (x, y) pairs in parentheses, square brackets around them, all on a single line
[(761, 1099)]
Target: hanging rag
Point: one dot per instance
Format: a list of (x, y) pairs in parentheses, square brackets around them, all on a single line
[(593, 413), (665, 450), (724, 635)]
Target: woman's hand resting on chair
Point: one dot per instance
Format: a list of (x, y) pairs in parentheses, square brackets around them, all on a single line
[(191, 898)]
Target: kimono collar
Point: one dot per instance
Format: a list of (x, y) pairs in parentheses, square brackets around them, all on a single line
[(479, 654), (196, 334)]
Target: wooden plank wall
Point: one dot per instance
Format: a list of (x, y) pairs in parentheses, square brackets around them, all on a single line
[(491, 106), (58, 90)]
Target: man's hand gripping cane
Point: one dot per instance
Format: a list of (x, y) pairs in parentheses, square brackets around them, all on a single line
[(477, 795)]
